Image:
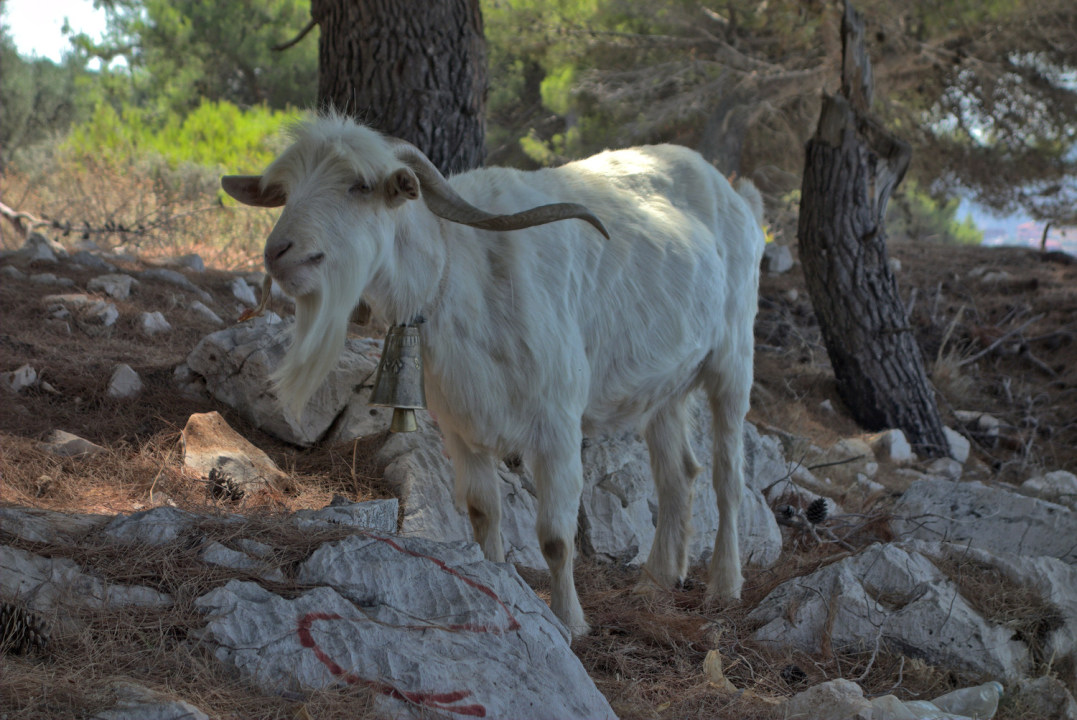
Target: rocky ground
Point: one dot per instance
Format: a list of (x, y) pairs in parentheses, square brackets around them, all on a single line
[(190, 549)]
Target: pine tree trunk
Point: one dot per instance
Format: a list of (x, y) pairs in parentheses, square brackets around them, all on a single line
[(412, 69), (852, 166)]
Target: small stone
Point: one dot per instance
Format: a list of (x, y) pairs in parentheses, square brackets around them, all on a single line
[(153, 323), (66, 444), (895, 265), (201, 310), (1060, 486), (51, 279), (891, 445), (115, 285), (20, 379), (244, 292), (209, 444), (90, 260), (39, 247), (99, 315), (10, 271), (946, 468), (174, 278), (67, 300), (835, 700), (777, 258), (959, 445), (125, 382), (190, 261)]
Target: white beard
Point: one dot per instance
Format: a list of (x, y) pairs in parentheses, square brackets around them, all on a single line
[(321, 327)]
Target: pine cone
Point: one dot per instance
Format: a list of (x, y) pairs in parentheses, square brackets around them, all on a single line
[(816, 512), (21, 630), (223, 486)]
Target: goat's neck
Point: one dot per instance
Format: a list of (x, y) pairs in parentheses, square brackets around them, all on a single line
[(411, 279)]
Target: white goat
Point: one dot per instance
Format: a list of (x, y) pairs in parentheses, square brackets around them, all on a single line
[(534, 337)]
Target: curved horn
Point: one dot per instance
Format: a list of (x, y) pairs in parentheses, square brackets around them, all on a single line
[(444, 202)]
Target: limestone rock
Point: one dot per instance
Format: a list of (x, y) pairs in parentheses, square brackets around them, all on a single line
[(116, 285), (51, 279), (202, 311), (959, 445), (891, 445), (243, 292), (412, 619), (157, 526), (94, 317), (236, 363), (1053, 580), (38, 247), (1058, 486), (91, 260), (834, 700), (211, 448), (153, 323), (43, 526), (12, 272), (777, 258), (1043, 697), (217, 554), (946, 468), (18, 380), (43, 583), (987, 518), (124, 383), (66, 444), (890, 595), (618, 504), (373, 515), (135, 702), (190, 261), (172, 277)]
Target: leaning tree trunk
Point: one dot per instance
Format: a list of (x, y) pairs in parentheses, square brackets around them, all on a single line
[(409, 68), (852, 165)]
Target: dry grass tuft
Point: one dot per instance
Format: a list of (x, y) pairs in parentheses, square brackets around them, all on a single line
[(1002, 601)]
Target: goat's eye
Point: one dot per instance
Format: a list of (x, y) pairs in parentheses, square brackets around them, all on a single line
[(361, 187)]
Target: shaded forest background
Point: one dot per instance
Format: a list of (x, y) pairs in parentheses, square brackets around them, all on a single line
[(986, 93)]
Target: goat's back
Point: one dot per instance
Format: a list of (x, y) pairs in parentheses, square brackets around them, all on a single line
[(627, 322)]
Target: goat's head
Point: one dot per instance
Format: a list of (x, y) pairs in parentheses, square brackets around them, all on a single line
[(342, 186)]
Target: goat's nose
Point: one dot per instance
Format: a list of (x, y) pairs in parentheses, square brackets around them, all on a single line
[(275, 251)]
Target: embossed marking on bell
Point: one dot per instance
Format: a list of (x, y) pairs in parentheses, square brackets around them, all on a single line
[(398, 382)]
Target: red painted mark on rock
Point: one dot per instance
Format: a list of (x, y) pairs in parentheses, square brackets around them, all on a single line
[(440, 701)]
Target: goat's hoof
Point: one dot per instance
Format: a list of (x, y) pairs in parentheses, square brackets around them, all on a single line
[(579, 630), (723, 593)]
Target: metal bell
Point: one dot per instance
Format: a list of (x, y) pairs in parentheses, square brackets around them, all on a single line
[(398, 381)]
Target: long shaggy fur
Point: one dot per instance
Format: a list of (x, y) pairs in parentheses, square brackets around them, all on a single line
[(536, 336)]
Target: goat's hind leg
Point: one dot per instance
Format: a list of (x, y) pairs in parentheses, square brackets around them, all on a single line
[(674, 468), (559, 483), (478, 492), (729, 404)]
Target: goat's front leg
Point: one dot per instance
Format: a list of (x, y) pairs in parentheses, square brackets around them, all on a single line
[(559, 484), (478, 492)]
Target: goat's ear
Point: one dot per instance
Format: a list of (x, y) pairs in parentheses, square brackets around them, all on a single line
[(248, 190), (402, 185)]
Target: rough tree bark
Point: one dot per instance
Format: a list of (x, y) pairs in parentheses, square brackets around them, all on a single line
[(852, 165), (409, 68)]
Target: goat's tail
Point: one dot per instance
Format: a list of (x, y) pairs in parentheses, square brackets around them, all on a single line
[(747, 190)]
